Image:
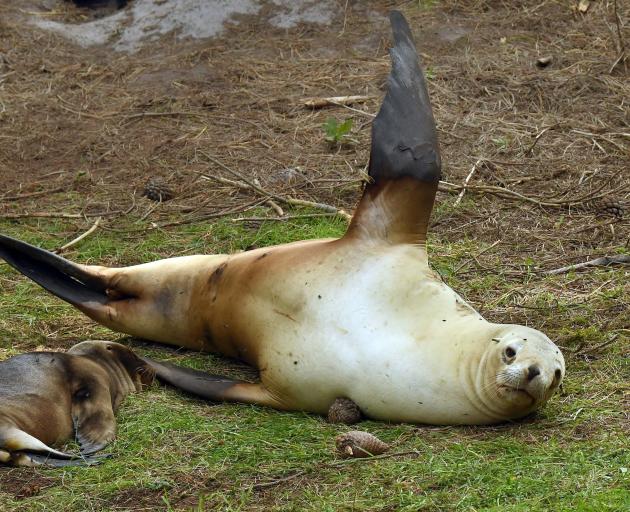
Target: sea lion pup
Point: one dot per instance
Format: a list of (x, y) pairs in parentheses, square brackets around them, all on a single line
[(51, 397), (362, 317)]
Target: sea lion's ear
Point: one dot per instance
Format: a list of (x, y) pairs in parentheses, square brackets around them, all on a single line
[(93, 417), (405, 164)]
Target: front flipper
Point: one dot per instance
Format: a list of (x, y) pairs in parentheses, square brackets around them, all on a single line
[(213, 387)]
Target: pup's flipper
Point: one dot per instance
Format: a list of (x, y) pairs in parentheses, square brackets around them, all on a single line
[(18, 448), (405, 163), (35, 459), (69, 281), (13, 439), (212, 387)]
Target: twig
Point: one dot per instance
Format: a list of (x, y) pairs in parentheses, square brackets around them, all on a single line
[(595, 348), (542, 132), (247, 184), (159, 114), (80, 237), (445, 186), (465, 184), (276, 207), (32, 194), (604, 261), (283, 218), (622, 44), (213, 215), (55, 215), (262, 485), (459, 267), (334, 100)]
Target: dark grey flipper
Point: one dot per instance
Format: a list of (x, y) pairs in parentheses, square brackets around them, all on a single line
[(404, 137), (405, 164), (59, 276), (47, 460), (195, 382)]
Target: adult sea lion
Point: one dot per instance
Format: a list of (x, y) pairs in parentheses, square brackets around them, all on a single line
[(362, 317), (51, 397)]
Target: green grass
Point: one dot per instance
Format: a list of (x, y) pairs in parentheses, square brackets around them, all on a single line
[(178, 453)]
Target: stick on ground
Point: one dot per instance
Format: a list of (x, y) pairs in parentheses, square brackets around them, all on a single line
[(604, 261)]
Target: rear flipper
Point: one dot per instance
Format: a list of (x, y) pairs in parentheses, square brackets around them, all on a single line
[(68, 281), (213, 387)]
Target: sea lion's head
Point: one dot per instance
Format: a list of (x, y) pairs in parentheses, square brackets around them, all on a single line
[(525, 369), (128, 371)]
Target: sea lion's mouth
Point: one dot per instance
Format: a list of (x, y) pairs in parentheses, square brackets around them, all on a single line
[(518, 391)]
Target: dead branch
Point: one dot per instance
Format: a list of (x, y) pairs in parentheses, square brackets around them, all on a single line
[(334, 100), (465, 184), (32, 194), (452, 188), (56, 215), (323, 465), (80, 237), (213, 215), (245, 183), (621, 42), (595, 348), (459, 267), (276, 207), (604, 261), (283, 218)]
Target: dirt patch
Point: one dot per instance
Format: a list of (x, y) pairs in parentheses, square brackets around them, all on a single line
[(179, 492), (25, 483)]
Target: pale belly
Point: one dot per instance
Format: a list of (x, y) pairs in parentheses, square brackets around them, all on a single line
[(383, 331)]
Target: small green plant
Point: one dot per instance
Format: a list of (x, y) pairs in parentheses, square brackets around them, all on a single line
[(336, 132), (501, 142)]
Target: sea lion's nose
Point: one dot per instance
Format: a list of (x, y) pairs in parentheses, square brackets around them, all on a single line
[(532, 372)]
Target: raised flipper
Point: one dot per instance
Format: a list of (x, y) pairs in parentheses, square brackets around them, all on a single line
[(405, 164), (67, 280), (213, 387)]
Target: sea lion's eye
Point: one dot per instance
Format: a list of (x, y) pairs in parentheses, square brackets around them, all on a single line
[(510, 352), (82, 394), (558, 374)]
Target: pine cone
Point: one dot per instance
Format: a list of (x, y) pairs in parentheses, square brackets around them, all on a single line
[(610, 206), (359, 444), (158, 190), (344, 410)]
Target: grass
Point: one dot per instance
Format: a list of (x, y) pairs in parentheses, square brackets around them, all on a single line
[(177, 453)]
